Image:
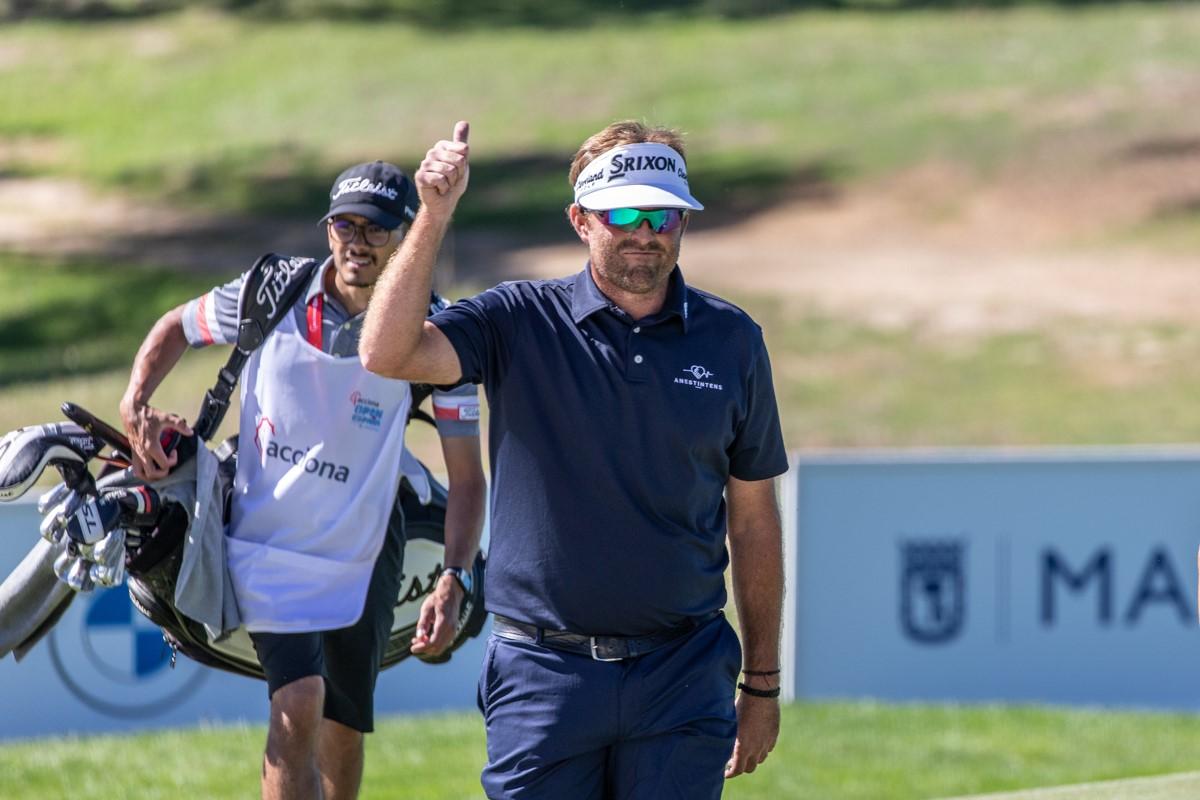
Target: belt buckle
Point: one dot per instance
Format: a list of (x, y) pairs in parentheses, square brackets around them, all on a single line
[(596, 655)]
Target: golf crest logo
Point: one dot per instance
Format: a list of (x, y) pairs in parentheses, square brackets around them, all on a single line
[(115, 661), (367, 413), (932, 590)]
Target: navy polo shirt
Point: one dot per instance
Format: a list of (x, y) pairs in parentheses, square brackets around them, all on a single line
[(611, 441)]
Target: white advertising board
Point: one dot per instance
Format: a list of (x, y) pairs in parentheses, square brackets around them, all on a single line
[(104, 667), (1058, 576)]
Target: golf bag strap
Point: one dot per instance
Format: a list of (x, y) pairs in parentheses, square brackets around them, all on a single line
[(271, 288)]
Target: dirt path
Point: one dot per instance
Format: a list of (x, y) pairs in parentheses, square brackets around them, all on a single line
[(933, 244)]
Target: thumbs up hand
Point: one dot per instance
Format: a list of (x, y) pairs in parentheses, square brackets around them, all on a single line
[(442, 177)]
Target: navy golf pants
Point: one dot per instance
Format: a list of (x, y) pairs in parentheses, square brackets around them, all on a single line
[(562, 726)]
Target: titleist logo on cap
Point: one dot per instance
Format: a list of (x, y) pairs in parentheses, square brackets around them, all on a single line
[(645, 175), (363, 185)]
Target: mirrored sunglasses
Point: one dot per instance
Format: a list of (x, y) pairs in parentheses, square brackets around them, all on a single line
[(662, 220)]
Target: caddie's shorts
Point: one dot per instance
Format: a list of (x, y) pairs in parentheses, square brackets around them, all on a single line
[(348, 658), (657, 727)]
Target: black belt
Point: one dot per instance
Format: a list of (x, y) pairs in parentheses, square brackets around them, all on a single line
[(600, 648)]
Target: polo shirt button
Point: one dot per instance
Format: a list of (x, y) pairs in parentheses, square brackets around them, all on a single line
[(637, 359), (637, 329)]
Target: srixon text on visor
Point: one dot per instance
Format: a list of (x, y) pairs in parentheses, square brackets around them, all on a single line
[(622, 164)]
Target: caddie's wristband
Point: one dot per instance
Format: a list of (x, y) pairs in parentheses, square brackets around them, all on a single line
[(750, 690), (760, 673)]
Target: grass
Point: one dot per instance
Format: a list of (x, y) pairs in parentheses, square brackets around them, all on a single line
[(834, 751), (77, 319), (239, 116), (69, 332), (1171, 230), (1176, 786), (1073, 382), (243, 115)]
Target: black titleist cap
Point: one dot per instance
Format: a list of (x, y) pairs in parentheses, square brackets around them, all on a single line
[(379, 191)]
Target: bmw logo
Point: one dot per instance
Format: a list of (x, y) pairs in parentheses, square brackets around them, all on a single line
[(115, 660)]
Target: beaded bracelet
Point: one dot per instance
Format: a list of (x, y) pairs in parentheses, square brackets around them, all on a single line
[(764, 673)]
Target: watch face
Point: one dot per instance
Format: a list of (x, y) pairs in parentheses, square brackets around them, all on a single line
[(462, 576)]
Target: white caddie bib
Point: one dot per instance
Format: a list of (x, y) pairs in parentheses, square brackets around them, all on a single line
[(319, 460)]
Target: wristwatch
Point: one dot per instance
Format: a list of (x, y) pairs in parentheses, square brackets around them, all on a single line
[(462, 575)]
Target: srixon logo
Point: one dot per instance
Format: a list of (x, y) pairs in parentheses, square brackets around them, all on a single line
[(622, 164)]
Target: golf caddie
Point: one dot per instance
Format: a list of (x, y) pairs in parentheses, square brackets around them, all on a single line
[(316, 540), (633, 432)]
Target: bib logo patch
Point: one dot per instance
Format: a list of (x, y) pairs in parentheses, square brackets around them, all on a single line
[(367, 413), (307, 458), (262, 430)]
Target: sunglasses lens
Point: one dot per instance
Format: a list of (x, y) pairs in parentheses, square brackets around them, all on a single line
[(626, 219), (657, 219), (661, 220)]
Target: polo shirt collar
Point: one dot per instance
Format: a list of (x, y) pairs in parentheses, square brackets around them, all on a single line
[(587, 299), (316, 284)]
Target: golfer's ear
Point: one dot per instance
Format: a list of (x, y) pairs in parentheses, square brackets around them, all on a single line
[(578, 219)]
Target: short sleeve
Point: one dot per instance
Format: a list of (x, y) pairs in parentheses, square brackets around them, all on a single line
[(757, 451), (482, 329), (212, 318)]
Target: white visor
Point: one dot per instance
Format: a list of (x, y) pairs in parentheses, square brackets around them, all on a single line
[(636, 176)]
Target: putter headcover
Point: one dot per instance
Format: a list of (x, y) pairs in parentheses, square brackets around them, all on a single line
[(26, 452)]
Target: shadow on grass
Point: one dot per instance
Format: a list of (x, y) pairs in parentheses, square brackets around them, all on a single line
[(270, 199), (459, 14), (77, 320), (521, 194), (1162, 149)]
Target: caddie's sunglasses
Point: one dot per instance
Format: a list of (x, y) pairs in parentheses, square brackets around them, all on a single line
[(662, 220), (346, 231)]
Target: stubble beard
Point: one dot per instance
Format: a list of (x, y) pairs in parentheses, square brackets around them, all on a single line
[(635, 275), (358, 278)]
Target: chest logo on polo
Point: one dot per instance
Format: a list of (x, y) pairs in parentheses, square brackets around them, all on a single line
[(367, 413), (700, 378)]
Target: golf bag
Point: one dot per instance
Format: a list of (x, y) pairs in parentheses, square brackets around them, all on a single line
[(100, 529)]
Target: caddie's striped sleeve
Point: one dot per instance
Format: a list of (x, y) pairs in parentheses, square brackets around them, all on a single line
[(456, 411), (212, 318)]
